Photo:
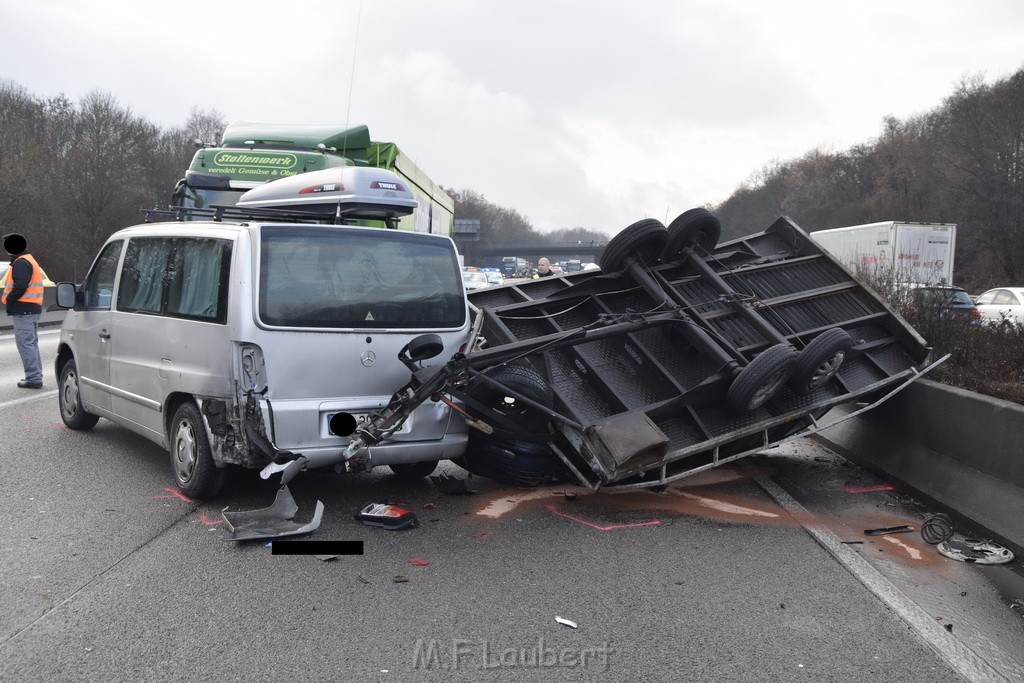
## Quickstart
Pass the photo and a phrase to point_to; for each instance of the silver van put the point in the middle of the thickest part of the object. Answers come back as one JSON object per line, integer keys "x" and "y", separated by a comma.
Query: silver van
{"x": 245, "y": 342}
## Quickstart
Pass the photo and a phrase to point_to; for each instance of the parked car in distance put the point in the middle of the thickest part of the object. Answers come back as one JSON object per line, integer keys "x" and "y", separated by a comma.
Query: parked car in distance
{"x": 494, "y": 276}
{"x": 475, "y": 280}
{"x": 943, "y": 300}
{"x": 1001, "y": 306}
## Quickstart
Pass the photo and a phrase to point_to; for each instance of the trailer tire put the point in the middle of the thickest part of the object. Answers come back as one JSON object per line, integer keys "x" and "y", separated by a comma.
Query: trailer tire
{"x": 523, "y": 459}
{"x": 820, "y": 360}
{"x": 759, "y": 381}
{"x": 696, "y": 228}
{"x": 526, "y": 382}
{"x": 414, "y": 470}
{"x": 643, "y": 240}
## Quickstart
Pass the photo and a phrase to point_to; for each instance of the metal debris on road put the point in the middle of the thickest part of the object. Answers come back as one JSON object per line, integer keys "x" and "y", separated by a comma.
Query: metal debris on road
{"x": 974, "y": 551}
{"x": 326, "y": 558}
{"x": 566, "y": 622}
{"x": 937, "y": 528}
{"x": 400, "y": 579}
{"x": 881, "y": 531}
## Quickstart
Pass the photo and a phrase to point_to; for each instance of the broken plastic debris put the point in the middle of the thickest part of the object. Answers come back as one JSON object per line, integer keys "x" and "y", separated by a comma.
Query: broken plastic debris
{"x": 937, "y": 528}
{"x": 974, "y": 551}
{"x": 881, "y": 531}
{"x": 450, "y": 484}
{"x": 418, "y": 561}
{"x": 429, "y": 506}
{"x": 362, "y": 578}
{"x": 326, "y": 558}
{"x": 400, "y": 579}
{"x": 562, "y": 620}
{"x": 270, "y": 522}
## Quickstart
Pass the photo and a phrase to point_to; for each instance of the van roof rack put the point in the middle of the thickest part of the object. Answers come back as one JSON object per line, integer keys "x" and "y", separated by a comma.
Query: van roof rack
{"x": 235, "y": 214}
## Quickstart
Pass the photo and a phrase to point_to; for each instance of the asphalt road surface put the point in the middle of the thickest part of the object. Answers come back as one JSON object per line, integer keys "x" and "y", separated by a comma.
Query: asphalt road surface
{"x": 754, "y": 571}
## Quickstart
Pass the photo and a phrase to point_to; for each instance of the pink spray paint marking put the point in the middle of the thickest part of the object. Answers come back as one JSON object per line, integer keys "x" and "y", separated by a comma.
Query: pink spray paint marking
{"x": 209, "y": 522}
{"x": 554, "y": 509}
{"x": 850, "y": 488}
{"x": 174, "y": 494}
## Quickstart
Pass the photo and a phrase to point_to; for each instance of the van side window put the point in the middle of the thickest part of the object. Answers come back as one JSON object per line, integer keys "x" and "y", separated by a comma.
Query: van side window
{"x": 98, "y": 288}
{"x": 197, "y": 286}
{"x": 178, "y": 277}
{"x": 143, "y": 275}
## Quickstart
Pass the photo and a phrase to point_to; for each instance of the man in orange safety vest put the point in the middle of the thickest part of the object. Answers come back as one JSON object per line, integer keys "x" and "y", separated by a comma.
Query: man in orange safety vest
{"x": 23, "y": 299}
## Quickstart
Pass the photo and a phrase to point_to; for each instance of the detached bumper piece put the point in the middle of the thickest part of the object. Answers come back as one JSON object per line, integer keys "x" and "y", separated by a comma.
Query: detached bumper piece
{"x": 272, "y": 522}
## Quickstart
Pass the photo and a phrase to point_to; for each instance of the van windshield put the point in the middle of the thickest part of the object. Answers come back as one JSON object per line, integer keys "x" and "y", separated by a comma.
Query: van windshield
{"x": 326, "y": 276}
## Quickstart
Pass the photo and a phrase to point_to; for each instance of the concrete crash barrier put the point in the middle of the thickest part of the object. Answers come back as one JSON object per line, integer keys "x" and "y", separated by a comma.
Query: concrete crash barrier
{"x": 958, "y": 447}
{"x": 51, "y": 314}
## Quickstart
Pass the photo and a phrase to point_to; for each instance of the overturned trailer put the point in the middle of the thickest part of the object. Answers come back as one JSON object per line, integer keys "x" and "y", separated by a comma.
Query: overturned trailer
{"x": 678, "y": 356}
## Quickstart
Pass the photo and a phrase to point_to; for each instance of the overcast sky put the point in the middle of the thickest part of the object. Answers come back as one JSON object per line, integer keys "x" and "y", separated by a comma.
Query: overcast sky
{"x": 572, "y": 112}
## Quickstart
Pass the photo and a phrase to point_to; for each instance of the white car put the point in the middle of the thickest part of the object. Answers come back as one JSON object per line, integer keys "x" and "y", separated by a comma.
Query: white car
{"x": 1003, "y": 305}
{"x": 475, "y": 280}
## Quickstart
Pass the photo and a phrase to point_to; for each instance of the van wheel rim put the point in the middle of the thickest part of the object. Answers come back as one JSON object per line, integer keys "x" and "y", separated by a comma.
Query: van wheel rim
{"x": 184, "y": 451}
{"x": 69, "y": 395}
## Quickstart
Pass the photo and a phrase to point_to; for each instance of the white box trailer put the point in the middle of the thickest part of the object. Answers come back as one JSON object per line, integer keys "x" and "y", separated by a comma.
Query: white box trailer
{"x": 902, "y": 250}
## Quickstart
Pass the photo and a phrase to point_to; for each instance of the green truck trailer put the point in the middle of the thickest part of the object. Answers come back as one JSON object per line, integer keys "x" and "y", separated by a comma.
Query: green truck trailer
{"x": 252, "y": 153}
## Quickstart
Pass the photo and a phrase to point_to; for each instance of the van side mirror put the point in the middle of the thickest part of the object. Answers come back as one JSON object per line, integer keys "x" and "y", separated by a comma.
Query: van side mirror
{"x": 67, "y": 294}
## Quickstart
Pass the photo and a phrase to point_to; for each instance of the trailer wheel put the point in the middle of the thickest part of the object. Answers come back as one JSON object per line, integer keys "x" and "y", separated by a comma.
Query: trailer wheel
{"x": 643, "y": 240}
{"x": 523, "y": 459}
{"x": 759, "y": 381}
{"x": 820, "y": 360}
{"x": 526, "y": 382}
{"x": 696, "y": 228}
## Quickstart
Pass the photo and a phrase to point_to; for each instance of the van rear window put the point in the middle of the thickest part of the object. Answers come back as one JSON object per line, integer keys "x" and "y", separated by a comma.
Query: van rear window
{"x": 326, "y": 276}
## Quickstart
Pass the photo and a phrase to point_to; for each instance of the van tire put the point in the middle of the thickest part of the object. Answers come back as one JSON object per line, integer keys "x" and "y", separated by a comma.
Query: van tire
{"x": 526, "y": 382}
{"x": 820, "y": 360}
{"x": 643, "y": 240}
{"x": 70, "y": 400}
{"x": 414, "y": 470}
{"x": 759, "y": 381}
{"x": 192, "y": 464}
{"x": 697, "y": 228}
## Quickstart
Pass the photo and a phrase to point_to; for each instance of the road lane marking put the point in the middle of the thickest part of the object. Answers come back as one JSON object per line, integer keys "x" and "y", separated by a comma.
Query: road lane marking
{"x": 29, "y": 399}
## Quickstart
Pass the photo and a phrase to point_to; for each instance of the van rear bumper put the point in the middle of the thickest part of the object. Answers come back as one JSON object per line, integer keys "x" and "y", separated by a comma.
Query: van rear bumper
{"x": 385, "y": 453}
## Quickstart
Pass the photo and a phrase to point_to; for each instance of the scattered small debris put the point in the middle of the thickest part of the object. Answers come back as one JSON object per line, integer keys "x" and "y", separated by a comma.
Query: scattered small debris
{"x": 974, "y": 551}
{"x": 852, "y": 542}
{"x": 881, "y": 531}
{"x": 782, "y": 605}
{"x": 326, "y": 558}
{"x": 822, "y": 458}
{"x": 963, "y": 594}
{"x": 948, "y": 627}
{"x": 452, "y": 485}
{"x": 400, "y": 579}
{"x": 429, "y": 506}
{"x": 937, "y": 528}
{"x": 418, "y": 561}
{"x": 570, "y": 496}
{"x": 362, "y": 578}
{"x": 566, "y": 622}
